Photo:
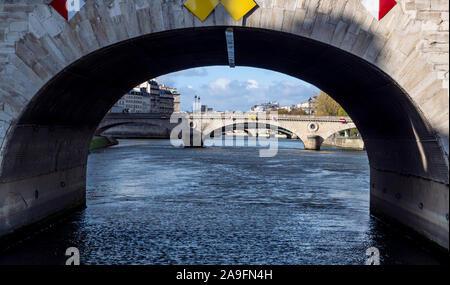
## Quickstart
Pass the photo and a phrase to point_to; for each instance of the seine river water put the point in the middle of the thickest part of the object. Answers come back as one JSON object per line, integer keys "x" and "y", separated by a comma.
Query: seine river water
{"x": 151, "y": 203}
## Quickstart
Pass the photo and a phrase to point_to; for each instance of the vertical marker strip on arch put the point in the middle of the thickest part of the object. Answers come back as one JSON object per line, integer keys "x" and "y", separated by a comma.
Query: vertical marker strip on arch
{"x": 229, "y": 34}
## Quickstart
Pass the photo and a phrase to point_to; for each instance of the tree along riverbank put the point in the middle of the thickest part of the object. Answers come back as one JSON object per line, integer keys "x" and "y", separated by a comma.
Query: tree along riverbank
{"x": 102, "y": 142}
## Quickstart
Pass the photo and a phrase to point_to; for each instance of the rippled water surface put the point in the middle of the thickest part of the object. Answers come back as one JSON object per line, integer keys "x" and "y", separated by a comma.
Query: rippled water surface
{"x": 151, "y": 203}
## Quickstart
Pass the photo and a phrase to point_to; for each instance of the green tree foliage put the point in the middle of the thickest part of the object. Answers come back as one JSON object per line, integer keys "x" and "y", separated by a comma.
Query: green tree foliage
{"x": 326, "y": 106}
{"x": 295, "y": 111}
{"x": 342, "y": 112}
{"x": 352, "y": 132}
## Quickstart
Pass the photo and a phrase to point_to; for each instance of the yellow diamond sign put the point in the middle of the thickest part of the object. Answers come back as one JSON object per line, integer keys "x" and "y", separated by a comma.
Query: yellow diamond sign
{"x": 238, "y": 8}
{"x": 201, "y": 8}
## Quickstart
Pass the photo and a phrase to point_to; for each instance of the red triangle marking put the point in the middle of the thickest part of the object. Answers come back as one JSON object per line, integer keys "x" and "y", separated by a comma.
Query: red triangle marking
{"x": 60, "y": 7}
{"x": 385, "y": 7}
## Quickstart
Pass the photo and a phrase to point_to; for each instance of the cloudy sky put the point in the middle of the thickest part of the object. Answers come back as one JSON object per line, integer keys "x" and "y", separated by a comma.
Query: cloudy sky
{"x": 224, "y": 88}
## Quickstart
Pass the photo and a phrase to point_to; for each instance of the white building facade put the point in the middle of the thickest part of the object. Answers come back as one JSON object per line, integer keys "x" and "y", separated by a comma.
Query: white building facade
{"x": 149, "y": 97}
{"x": 309, "y": 106}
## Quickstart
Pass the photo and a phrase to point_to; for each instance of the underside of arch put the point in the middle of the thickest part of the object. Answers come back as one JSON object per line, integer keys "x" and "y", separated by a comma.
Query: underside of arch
{"x": 245, "y": 127}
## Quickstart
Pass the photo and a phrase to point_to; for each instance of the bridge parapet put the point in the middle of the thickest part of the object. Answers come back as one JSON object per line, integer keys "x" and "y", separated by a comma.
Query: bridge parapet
{"x": 274, "y": 116}
{"x": 228, "y": 116}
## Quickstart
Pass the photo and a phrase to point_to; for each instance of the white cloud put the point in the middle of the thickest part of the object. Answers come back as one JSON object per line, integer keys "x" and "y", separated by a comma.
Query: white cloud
{"x": 252, "y": 84}
{"x": 225, "y": 94}
{"x": 193, "y": 72}
{"x": 220, "y": 83}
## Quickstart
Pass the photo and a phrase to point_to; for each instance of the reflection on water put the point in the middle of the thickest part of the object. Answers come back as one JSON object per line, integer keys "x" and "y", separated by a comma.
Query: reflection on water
{"x": 150, "y": 203}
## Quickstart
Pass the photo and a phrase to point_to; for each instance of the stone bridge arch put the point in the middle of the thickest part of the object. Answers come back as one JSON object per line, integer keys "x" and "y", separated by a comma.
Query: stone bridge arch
{"x": 213, "y": 129}
{"x": 153, "y": 125}
{"x": 59, "y": 78}
{"x": 104, "y": 128}
{"x": 139, "y": 129}
{"x": 311, "y": 132}
{"x": 336, "y": 129}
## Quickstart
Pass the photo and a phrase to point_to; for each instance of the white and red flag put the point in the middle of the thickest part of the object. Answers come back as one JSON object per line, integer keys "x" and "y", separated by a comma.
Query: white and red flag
{"x": 379, "y": 8}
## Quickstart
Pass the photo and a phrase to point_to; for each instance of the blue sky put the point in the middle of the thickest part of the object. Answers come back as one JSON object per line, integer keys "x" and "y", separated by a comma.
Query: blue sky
{"x": 224, "y": 88}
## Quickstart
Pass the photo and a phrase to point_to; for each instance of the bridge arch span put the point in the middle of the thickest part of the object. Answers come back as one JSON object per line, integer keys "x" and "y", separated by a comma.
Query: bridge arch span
{"x": 152, "y": 130}
{"x": 103, "y": 129}
{"x": 210, "y": 131}
{"x": 341, "y": 128}
{"x": 60, "y": 78}
{"x": 312, "y": 131}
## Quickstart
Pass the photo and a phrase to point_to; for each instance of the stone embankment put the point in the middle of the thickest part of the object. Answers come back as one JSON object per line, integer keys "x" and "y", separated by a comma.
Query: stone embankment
{"x": 102, "y": 142}
{"x": 350, "y": 143}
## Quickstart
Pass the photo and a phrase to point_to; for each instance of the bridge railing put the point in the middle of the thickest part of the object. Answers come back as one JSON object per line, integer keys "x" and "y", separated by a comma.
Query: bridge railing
{"x": 230, "y": 116}
{"x": 255, "y": 116}
{"x": 138, "y": 116}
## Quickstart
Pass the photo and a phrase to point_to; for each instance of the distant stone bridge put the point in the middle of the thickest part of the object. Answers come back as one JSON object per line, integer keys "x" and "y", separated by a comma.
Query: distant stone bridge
{"x": 312, "y": 130}
{"x": 135, "y": 125}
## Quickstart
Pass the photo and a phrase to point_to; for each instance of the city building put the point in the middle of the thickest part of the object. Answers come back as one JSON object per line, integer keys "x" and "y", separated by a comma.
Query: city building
{"x": 289, "y": 108}
{"x": 309, "y": 106}
{"x": 116, "y": 109}
{"x": 197, "y": 105}
{"x": 270, "y": 106}
{"x": 205, "y": 109}
{"x": 176, "y": 101}
{"x": 154, "y": 95}
{"x": 149, "y": 97}
{"x": 135, "y": 101}
{"x": 166, "y": 100}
